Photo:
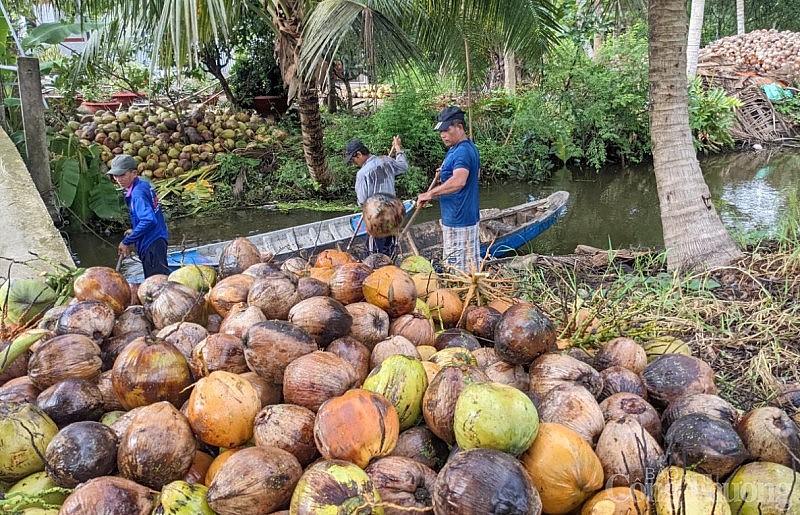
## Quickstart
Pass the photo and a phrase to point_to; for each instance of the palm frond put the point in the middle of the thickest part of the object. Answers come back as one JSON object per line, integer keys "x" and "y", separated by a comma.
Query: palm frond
{"x": 527, "y": 27}
{"x": 332, "y": 20}
{"x": 172, "y": 30}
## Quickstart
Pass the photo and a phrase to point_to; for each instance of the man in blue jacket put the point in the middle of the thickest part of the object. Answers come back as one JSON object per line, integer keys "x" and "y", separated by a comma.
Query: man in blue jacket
{"x": 149, "y": 230}
{"x": 457, "y": 193}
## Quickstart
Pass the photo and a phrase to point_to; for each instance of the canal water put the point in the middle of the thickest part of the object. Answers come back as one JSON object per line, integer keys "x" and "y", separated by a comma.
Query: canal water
{"x": 616, "y": 207}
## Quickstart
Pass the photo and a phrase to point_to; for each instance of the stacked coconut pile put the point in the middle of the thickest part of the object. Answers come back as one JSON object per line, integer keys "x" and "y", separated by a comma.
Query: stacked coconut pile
{"x": 741, "y": 65}
{"x": 765, "y": 52}
{"x": 343, "y": 386}
{"x": 166, "y": 145}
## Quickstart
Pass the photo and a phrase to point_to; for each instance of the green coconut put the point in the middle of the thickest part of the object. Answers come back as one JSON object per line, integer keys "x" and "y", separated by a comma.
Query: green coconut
{"x": 416, "y": 265}
{"x": 403, "y": 381}
{"x": 764, "y": 488}
{"x": 422, "y": 308}
{"x": 454, "y": 357}
{"x": 183, "y": 498}
{"x": 335, "y": 487}
{"x": 678, "y": 491}
{"x": 25, "y": 432}
{"x": 661, "y": 345}
{"x": 495, "y": 416}
{"x": 197, "y": 277}
{"x": 24, "y": 300}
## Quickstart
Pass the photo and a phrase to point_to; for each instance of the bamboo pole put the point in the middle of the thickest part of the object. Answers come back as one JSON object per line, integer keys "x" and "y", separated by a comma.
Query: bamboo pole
{"x": 469, "y": 87}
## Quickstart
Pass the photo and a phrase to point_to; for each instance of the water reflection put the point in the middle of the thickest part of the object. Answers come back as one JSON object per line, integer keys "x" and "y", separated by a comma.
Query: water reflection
{"x": 753, "y": 187}
{"x": 617, "y": 207}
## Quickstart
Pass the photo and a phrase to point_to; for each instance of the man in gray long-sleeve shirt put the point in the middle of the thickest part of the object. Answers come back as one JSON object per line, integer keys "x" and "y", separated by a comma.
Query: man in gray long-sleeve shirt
{"x": 376, "y": 176}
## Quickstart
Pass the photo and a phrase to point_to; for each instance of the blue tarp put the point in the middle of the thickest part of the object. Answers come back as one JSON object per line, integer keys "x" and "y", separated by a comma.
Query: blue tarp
{"x": 775, "y": 92}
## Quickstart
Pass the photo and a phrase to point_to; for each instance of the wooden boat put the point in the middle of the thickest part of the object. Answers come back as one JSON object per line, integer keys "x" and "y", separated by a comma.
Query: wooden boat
{"x": 502, "y": 231}
{"x": 284, "y": 243}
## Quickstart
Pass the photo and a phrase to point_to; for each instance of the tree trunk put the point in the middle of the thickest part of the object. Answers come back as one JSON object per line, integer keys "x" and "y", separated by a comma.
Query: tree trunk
{"x": 210, "y": 58}
{"x": 33, "y": 124}
{"x": 694, "y": 236}
{"x": 311, "y": 123}
{"x": 740, "y": 17}
{"x": 599, "y": 36}
{"x": 695, "y": 31}
{"x": 510, "y": 72}
{"x": 332, "y": 99}
{"x": 289, "y": 22}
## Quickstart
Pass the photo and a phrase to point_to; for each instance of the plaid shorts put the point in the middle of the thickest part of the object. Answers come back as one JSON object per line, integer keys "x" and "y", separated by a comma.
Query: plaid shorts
{"x": 460, "y": 248}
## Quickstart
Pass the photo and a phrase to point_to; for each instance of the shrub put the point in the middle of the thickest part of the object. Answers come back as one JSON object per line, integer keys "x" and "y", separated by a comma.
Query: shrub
{"x": 407, "y": 113}
{"x": 255, "y": 71}
{"x": 711, "y": 117}
{"x": 599, "y": 106}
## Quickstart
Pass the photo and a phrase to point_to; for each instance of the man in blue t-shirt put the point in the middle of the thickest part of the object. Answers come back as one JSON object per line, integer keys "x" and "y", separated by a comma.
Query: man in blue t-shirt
{"x": 457, "y": 193}
{"x": 149, "y": 232}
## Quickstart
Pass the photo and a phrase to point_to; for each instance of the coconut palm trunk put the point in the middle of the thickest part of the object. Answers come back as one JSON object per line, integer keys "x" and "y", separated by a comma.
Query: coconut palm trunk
{"x": 740, "y": 17}
{"x": 311, "y": 124}
{"x": 289, "y": 22}
{"x": 695, "y": 31}
{"x": 694, "y": 236}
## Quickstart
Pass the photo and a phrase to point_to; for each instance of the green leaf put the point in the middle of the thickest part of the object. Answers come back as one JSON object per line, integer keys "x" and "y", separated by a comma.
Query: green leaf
{"x": 61, "y": 145}
{"x": 56, "y": 32}
{"x": 80, "y": 205}
{"x": 705, "y": 284}
{"x": 18, "y": 138}
{"x": 106, "y": 202}
{"x": 11, "y": 102}
{"x": 68, "y": 181}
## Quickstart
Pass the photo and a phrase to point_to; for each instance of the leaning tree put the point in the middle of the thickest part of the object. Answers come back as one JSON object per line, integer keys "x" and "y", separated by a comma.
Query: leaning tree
{"x": 694, "y": 236}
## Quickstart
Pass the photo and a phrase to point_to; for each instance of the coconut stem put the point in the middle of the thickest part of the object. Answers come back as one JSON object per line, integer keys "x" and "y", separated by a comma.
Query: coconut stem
{"x": 16, "y": 502}
{"x": 385, "y": 504}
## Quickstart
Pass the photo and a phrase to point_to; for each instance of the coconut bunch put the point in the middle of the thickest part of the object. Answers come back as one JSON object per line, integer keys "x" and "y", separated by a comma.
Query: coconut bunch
{"x": 166, "y": 146}
{"x": 333, "y": 383}
{"x": 761, "y": 50}
{"x": 372, "y": 91}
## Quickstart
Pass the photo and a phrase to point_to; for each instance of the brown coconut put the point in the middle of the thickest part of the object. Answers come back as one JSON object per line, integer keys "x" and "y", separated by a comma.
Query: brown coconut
{"x": 312, "y": 379}
{"x": 237, "y": 256}
{"x": 523, "y": 334}
{"x": 270, "y": 346}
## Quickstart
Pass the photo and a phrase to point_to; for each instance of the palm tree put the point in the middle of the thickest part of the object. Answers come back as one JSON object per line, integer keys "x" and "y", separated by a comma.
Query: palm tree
{"x": 740, "y": 17}
{"x": 695, "y": 31}
{"x": 308, "y": 33}
{"x": 693, "y": 232}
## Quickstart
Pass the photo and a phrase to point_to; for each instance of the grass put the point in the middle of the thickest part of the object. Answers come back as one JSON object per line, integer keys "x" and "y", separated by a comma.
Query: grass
{"x": 744, "y": 319}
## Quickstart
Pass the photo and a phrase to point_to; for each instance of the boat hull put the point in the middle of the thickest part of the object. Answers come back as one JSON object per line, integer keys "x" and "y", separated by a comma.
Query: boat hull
{"x": 502, "y": 232}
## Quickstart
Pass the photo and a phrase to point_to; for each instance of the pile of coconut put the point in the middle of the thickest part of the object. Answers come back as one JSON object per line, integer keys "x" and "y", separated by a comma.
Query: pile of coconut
{"x": 762, "y": 51}
{"x": 345, "y": 386}
{"x": 167, "y": 146}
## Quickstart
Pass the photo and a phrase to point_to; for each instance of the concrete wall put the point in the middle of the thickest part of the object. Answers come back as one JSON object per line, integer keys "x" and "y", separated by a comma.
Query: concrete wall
{"x": 25, "y": 225}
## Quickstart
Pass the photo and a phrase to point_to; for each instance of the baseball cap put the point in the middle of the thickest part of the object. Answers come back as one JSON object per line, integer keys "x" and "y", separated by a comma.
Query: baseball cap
{"x": 121, "y": 164}
{"x": 352, "y": 148}
{"x": 448, "y": 116}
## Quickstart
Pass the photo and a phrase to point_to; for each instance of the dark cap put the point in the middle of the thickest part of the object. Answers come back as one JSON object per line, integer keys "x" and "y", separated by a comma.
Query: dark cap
{"x": 448, "y": 117}
{"x": 352, "y": 148}
{"x": 122, "y": 164}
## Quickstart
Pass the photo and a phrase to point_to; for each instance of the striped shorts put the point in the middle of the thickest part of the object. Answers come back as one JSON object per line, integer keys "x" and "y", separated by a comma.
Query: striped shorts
{"x": 460, "y": 248}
